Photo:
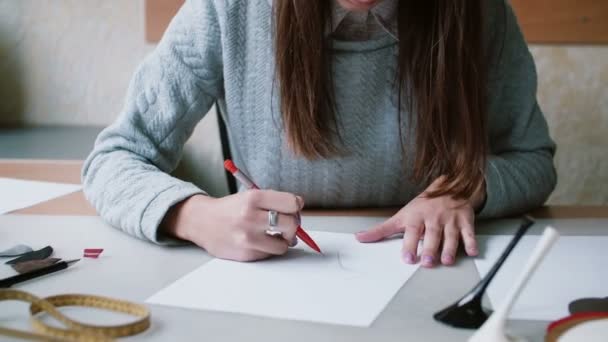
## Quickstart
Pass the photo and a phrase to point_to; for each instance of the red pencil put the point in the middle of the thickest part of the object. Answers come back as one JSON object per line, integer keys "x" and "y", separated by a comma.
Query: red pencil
{"x": 242, "y": 177}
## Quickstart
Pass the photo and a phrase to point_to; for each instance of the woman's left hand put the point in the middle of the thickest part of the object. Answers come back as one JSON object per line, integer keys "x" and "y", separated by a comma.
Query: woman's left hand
{"x": 441, "y": 221}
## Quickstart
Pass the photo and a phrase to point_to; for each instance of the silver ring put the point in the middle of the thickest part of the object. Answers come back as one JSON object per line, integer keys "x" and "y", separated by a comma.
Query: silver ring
{"x": 273, "y": 221}
{"x": 273, "y": 218}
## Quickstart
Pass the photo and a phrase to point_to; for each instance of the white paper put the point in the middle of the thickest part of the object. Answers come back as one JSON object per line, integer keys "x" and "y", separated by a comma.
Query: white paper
{"x": 349, "y": 285}
{"x": 17, "y": 194}
{"x": 574, "y": 268}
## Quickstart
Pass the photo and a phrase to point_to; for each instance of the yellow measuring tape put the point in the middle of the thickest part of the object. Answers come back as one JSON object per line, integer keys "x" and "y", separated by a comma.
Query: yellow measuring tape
{"x": 74, "y": 330}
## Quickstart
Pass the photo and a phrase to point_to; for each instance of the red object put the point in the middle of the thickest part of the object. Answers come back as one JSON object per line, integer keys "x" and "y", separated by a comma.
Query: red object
{"x": 92, "y": 252}
{"x": 241, "y": 177}
{"x": 229, "y": 165}
{"x": 307, "y": 239}
{"x": 576, "y": 316}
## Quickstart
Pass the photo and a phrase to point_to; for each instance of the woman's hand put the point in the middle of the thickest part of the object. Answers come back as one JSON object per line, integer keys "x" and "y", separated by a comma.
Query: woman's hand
{"x": 440, "y": 221}
{"x": 233, "y": 227}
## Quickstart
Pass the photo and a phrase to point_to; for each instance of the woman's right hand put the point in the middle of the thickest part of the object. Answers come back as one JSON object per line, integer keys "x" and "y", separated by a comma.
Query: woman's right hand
{"x": 234, "y": 227}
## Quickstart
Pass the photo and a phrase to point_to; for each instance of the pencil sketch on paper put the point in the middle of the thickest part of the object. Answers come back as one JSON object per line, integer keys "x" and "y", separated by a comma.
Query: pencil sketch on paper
{"x": 344, "y": 268}
{"x": 335, "y": 279}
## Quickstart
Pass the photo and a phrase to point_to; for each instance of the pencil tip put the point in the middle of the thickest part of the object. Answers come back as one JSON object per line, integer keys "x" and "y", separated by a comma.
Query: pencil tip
{"x": 72, "y": 262}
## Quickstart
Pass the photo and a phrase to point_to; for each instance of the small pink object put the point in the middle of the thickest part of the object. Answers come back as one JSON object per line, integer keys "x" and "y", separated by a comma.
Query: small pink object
{"x": 92, "y": 252}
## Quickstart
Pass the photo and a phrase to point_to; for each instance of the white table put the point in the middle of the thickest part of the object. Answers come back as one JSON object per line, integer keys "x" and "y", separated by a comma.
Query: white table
{"x": 134, "y": 270}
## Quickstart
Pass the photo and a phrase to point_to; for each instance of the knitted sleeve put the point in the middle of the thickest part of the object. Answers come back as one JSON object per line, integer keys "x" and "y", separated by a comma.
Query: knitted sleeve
{"x": 126, "y": 177}
{"x": 520, "y": 174}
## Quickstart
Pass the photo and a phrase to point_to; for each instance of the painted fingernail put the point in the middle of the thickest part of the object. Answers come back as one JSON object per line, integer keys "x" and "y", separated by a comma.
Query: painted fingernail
{"x": 427, "y": 260}
{"x": 408, "y": 257}
{"x": 294, "y": 242}
{"x": 448, "y": 259}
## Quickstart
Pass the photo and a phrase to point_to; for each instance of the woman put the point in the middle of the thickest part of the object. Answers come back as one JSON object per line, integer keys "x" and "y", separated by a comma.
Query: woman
{"x": 426, "y": 105}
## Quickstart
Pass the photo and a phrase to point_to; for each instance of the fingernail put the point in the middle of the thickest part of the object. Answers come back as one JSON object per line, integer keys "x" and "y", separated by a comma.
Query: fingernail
{"x": 473, "y": 250}
{"x": 361, "y": 232}
{"x": 300, "y": 202}
{"x": 409, "y": 258}
{"x": 448, "y": 259}
{"x": 294, "y": 242}
{"x": 427, "y": 260}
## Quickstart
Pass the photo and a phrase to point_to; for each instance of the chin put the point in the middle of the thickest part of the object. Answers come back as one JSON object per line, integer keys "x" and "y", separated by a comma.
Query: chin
{"x": 358, "y": 5}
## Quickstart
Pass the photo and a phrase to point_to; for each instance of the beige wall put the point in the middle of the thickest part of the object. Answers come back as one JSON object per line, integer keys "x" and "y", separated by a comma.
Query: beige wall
{"x": 573, "y": 93}
{"x": 69, "y": 62}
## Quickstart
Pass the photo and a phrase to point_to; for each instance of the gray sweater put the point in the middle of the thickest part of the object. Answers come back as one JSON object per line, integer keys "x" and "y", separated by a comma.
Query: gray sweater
{"x": 221, "y": 51}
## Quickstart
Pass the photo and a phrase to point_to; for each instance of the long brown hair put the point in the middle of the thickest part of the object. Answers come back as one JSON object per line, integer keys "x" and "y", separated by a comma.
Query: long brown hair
{"x": 441, "y": 80}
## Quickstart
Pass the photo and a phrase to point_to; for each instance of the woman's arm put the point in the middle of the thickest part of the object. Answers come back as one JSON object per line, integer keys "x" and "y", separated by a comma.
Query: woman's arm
{"x": 520, "y": 173}
{"x": 126, "y": 176}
